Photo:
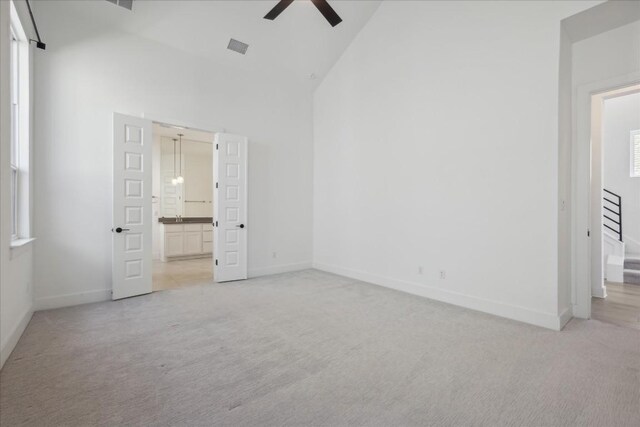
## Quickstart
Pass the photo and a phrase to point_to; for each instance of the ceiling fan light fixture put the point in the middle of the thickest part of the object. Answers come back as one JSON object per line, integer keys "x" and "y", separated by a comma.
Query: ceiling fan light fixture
{"x": 180, "y": 178}
{"x": 327, "y": 11}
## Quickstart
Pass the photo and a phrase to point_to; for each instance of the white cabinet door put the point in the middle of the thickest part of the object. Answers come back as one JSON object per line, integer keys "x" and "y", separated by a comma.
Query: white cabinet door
{"x": 173, "y": 244}
{"x": 132, "y": 252}
{"x": 192, "y": 242}
{"x": 230, "y": 207}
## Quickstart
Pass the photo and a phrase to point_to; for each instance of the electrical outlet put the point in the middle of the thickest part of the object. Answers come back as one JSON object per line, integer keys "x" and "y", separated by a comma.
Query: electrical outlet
{"x": 419, "y": 269}
{"x": 443, "y": 274}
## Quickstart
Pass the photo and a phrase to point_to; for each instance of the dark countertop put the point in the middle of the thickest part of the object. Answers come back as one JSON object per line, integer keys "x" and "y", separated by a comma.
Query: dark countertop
{"x": 189, "y": 220}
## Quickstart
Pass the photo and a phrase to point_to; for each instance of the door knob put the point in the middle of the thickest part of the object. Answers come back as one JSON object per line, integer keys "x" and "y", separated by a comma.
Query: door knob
{"x": 120, "y": 229}
{"x": 241, "y": 225}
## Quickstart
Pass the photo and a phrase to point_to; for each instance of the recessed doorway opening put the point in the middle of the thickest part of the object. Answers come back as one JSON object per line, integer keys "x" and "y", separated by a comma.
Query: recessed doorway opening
{"x": 616, "y": 154}
{"x": 196, "y": 209}
{"x": 182, "y": 206}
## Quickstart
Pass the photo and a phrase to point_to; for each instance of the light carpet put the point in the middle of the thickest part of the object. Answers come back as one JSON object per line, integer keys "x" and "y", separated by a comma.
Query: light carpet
{"x": 311, "y": 348}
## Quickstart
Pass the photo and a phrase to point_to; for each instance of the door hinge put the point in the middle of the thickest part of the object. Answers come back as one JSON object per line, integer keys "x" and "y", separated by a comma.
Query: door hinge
{"x": 216, "y": 262}
{"x": 588, "y": 233}
{"x": 216, "y": 185}
{"x": 216, "y": 223}
{"x": 216, "y": 146}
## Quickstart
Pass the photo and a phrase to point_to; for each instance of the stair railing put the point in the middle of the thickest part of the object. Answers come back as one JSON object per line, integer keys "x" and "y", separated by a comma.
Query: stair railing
{"x": 612, "y": 209}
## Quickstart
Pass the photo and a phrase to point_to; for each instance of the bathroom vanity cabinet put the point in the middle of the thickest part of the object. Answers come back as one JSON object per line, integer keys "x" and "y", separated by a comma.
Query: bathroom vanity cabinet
{"x": 181, "y": 240}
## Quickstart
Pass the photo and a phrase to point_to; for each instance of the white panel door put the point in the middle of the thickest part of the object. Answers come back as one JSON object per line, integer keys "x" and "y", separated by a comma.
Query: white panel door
{"x": 230, "y": 208}
{"x": 132, "y": 251}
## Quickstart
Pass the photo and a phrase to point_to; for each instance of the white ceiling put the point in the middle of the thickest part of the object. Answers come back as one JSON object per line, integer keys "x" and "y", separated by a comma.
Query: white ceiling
{"x": 300, "y": 42}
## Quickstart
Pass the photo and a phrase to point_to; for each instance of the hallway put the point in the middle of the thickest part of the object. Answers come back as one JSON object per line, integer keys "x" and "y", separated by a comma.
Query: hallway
{"x": 621, "y": 307}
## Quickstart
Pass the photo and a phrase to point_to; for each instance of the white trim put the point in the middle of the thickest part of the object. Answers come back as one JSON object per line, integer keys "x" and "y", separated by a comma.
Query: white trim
{"x": 277, "y": 269}
{"x": 521, "y": 314}
{"x": 565, "y": 316}
{"x": 599, "y": 292}
{"x": 17, "y": 243}
{"x": 10, "y": 343}
{"x": 68, "y": 300}
{"x": 583, "y": 201}
{"x": 23, "y": 198}
{"x": 20, "y": 246}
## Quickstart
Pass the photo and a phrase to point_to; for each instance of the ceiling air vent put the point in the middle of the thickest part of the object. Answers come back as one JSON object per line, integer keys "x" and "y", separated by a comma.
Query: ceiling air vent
{"x": 238, "y": 46}
{"x": 127, "y": 4}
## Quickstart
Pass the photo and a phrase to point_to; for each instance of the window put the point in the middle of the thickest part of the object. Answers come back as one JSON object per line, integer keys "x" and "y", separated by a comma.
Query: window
{"x": 15, "y": 130}
{"x": 635, "y": 153}
{"x": 20, "y": 139}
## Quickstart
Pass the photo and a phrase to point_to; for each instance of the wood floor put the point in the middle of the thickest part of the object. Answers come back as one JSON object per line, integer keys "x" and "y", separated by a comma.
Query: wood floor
{"x": 178, "y": 274}
{"x": 620, "y": 307}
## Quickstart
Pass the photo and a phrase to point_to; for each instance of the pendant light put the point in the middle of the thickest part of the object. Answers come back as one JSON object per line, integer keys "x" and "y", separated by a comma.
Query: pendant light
{"x": 180, "y": 178}
{"x": 174, "y": 180}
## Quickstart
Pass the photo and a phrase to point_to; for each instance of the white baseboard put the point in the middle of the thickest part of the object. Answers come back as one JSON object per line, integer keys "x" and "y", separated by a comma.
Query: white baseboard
{"x": 564, "y": 317}
{"x": 522, "y": 314}
{"x": 14, "y": 336}
{"x": 68, "y": 300}
{"x": 277, "y": 269}
{"x": 599, "y": 292}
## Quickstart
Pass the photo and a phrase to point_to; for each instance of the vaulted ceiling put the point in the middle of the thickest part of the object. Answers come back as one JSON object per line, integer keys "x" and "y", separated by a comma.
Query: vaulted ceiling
{"x": 296, "y": 45}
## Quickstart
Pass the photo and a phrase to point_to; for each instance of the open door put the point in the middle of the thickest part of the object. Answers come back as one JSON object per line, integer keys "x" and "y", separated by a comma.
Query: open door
{"x": 230, "y": 208}
{"x": 132, "y": 252}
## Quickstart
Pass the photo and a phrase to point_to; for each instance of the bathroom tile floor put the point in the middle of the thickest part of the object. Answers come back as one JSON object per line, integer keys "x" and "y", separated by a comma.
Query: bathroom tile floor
{"x": 181, "y": 273}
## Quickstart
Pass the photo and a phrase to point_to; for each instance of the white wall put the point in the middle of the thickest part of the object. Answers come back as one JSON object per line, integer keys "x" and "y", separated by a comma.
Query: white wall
{"x": 436, "y": 146}
{"x": 16, "y": 267}
{"x": 612, "y": 53}
{"x": 621, "y": 116}
{"x": 88, "y": 73}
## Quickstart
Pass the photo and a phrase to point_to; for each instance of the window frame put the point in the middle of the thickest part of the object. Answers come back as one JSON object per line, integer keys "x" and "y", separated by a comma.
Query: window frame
{"x": 635, "y": 134}
{"x": 14, "y": 77}
{"x": 20, "y": 128}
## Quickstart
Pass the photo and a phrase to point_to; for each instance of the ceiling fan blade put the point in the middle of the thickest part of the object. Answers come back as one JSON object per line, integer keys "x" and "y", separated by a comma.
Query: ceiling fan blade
{"x": 328, "y": 12}
{"x": 278, "y": 9}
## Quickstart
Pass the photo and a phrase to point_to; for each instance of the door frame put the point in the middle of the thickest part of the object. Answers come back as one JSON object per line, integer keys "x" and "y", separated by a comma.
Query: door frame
{"x": 148, "y": 215}
{"x": 586, "y": 191}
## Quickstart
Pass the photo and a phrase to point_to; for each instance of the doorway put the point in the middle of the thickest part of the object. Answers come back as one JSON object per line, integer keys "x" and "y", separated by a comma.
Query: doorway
{"x": 616, "y": 116}
{"x": 602, "y": 217}
{"x": 182, "y": 206}
{"x": 191, "y": 225}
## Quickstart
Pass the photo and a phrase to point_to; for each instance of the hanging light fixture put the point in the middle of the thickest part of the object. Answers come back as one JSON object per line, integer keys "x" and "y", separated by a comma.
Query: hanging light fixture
{"x": 180, "y": 178}
{"x": 174, "y": 180}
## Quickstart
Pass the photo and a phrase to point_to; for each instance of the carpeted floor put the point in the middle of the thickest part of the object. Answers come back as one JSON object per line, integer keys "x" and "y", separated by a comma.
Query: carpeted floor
{"x": 310, "y": 348}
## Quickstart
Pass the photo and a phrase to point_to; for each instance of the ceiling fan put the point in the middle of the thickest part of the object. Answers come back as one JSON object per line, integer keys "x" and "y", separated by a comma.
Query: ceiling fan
{"x": 322, "y": 5}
